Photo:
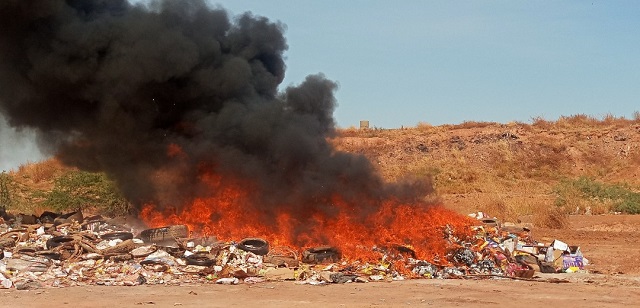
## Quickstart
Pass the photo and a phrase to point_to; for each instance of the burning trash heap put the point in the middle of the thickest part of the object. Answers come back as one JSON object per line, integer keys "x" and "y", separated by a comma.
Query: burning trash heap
{"x": 74, "y": 251}
{"x": 180, "y": 105}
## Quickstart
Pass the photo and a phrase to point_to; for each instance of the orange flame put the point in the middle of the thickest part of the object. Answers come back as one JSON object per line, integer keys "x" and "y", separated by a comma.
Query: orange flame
{"x": 174, "y": 150}
{"x": 228, "y": 214}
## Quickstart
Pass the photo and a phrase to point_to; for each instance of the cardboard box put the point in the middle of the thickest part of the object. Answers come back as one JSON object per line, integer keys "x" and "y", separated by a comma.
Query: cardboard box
{"x": 560, "y": 245}
{"x": 572, "y": 261}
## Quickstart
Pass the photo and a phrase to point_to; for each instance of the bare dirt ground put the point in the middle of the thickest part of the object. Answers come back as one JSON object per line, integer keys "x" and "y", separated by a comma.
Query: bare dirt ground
{"x": 609, "y": 242}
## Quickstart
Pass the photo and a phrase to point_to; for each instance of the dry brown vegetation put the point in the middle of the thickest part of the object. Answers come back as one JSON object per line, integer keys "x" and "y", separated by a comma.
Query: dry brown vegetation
{"x": 508, "y": 170}
{"x": 29, "y": 179}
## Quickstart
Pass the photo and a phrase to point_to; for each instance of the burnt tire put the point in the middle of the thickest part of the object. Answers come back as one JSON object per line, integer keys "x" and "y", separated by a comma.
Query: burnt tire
{"x": 322, "y": 254}
{"x": 59, "y": 240}
{"x": 202, "y": 259}
{"x": 68, "y": 218}
{"x": 176, "y": 252}
{"x": 255, "y": 245}
{"x": 117, "y": 235}
{"x": 169, "y": 233}
{"x": 47, "y": 217}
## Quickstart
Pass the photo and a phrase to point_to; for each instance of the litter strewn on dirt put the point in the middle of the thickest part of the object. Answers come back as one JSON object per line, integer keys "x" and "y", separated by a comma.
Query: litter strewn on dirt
{"x": 70, "y": 250}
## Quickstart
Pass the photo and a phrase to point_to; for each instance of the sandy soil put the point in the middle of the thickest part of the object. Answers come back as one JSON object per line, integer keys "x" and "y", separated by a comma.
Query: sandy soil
{"x": 609, "y": 242}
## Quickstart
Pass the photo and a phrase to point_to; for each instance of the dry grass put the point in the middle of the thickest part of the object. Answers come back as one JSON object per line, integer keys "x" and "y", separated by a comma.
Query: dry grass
{"x": 578, "y": 120}
{"x": 634, "y": 157}
{"x": 424, "y": 126}
{"x": 498, "y": 206}
{"x": 542, "y": 123}
{"x": 584, "y": 121}
{"x": 474, "y": 124}
{"x": 544, "y": 160}
{"x": 610, "y": 119}
{"x": 506, "y": 206}
{"x": 576, "y": 204}
{"x": 44, "y": 171}
{"x": 31, "y": 178}
{"x": 475, "y": 166}
{"x": 550, "y": 216}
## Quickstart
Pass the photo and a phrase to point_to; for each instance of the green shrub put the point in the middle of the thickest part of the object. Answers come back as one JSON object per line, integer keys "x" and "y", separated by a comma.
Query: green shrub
{"x": 5, "y": 194}
{"x": 629, "y": 205}
{"x": 81, "y": 190}
{"x": 583, "y": 192}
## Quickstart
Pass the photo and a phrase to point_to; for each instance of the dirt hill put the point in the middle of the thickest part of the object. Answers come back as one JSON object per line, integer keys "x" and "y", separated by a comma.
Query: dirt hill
{"x": 509, "y": 170}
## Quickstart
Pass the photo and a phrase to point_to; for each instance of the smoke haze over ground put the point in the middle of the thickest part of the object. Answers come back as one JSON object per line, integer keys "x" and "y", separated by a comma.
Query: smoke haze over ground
{"x": 17, "y": 146}
{"x": 153, "y": 94}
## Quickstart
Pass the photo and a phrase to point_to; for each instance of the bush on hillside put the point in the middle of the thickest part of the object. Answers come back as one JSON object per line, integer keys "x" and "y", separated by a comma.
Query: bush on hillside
{"x": 582, "y": 192}
{"x": 81, "y": 190}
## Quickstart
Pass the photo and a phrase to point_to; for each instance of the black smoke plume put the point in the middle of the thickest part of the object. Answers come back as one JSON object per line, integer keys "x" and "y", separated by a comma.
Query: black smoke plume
{"x": 152, "y": 93}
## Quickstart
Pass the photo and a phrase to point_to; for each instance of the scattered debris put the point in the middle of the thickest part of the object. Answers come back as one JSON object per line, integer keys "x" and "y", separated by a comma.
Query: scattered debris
{"x": 69, "y": 250}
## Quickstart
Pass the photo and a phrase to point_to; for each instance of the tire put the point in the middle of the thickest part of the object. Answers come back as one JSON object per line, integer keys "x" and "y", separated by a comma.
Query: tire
{"x": 92, "y": 223}
{"x": 47, "y": 217}
{"x": 176, "y": 252}
{"x": 169, "y": 233}
{"x": 117, "y": 235}
{"x": 202, "y": 259}
{"x": 58, "y": 240}
{"x": 256, "y": 245}
{"x": 322, "y": 254}
{"x": 28, "y": 219}
{"x": 69, "y": 217}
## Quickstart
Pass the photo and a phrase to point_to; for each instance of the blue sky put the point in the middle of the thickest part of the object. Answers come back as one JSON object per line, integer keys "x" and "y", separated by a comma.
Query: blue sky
{"x": 399, "y": 63}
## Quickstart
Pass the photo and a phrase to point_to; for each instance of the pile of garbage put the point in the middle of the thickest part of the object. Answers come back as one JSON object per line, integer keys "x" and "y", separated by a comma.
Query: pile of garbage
{"x": 510, "y": 250}
{"x": 70, "y": 250}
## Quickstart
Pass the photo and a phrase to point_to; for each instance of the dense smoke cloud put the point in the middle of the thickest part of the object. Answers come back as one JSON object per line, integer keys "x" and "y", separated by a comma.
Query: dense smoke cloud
{"x": 152, "y": 93}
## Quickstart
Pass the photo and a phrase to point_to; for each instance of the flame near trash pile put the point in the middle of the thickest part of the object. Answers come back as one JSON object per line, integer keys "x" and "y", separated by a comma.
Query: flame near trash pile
{"x": 180, "y": 105}
{"x": 229, "y": 214}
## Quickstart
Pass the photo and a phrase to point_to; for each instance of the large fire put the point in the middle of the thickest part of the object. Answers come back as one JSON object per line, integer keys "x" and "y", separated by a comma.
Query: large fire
{"x": 228, "y": 214}
{"x": 207, "y": 92}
